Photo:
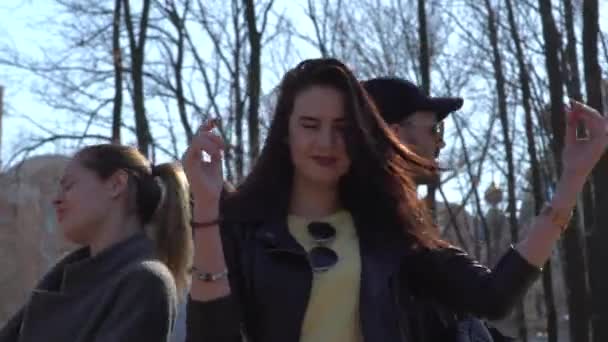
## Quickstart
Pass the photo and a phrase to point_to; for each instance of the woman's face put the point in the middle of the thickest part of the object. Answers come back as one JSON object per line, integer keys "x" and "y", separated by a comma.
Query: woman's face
{"x": 316, "y": 140}
{"x": 82, "y": 204}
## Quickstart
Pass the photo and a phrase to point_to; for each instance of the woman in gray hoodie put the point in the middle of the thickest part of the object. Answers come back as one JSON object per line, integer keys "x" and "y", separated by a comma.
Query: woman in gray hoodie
{"x": 133, "y": 220}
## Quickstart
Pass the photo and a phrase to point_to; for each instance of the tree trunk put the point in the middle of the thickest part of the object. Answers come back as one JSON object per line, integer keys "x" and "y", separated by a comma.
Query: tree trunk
{"x": 117, "y": 62}
{"x": 1, "y": 120}
{"x": 253, "y": 80}
{"x": 597, "y": 234}
{"x": 320, "y": 30}
{"x": 476, "y": 197}
{"x": 239, "y": 104}
{"x": 603, "y": 41}
{"x": 425, "y": 73}
{"x": 424, "y": 57}
{"x": 504, "y": 120}
{"x": 574, "y": 246}
{"x": 178, "y": 66}
{"x": 573, "y": 255}
{"x": 537, "y": 190}
{"x": 142, "y": 127}
{"x": 573, "y": 83}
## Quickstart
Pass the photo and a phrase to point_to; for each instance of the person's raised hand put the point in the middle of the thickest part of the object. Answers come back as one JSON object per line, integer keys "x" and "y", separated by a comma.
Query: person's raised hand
{"x": 205, "y": 177}
{"x": 580, "y": 155}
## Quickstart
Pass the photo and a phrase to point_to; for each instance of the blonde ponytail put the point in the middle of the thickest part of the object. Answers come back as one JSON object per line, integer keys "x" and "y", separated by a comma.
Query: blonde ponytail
{"x": 170, "y": 226}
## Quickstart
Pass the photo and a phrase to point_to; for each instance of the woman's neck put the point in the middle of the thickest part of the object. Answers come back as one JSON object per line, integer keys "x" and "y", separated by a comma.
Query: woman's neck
{"x": 313, "y": 201}
{"x": 113, "y": 231}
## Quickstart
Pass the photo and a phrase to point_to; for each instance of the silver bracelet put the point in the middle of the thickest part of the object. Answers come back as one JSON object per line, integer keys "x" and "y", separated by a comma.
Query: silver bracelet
{"x": 209, "y": 277}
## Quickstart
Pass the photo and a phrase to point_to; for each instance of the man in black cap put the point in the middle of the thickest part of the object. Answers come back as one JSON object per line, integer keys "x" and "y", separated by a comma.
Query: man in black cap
{"x": 416, "y": 118}
{"x": 418, "y": 121}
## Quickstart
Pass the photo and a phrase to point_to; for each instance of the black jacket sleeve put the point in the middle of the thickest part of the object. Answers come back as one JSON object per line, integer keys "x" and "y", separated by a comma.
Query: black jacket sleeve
{"x": 220, "y": 320}
{"x": 454, "y": 279}
{"x": 10, "y": 331}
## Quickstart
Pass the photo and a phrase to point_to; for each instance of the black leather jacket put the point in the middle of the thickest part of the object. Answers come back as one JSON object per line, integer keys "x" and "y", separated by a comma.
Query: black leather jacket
{"x": 270, "y": 281}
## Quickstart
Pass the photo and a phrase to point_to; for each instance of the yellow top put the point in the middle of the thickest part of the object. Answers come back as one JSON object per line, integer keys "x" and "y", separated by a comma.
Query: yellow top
{"x": 332, "y": 314}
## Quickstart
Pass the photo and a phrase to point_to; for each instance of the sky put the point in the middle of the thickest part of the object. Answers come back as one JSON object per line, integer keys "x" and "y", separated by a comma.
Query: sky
{"x": 23, "y": 28}
{"x": 17, "y": 31}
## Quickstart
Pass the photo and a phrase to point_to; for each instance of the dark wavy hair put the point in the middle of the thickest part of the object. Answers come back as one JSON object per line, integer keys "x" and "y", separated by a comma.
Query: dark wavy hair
{"x": 378, "y": 189}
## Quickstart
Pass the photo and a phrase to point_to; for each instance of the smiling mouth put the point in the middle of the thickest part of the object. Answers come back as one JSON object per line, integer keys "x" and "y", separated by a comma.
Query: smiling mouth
{"x": 60, "y": 215}
{"x": 325, "y": 161}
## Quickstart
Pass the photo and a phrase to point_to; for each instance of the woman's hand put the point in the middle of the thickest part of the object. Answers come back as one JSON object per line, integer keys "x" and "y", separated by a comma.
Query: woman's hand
{"x": 580, "y": 155}
{"x": 205, "y": 177}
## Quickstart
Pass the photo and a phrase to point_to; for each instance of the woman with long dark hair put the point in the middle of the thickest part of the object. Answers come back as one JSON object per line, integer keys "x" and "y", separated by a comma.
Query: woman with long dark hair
{"x": 326, "y": 239}
{"x": 133, "y": 220}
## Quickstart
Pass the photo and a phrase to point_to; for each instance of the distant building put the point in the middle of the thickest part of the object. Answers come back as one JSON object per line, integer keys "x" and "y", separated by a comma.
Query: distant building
{"x": 29, "y": 241}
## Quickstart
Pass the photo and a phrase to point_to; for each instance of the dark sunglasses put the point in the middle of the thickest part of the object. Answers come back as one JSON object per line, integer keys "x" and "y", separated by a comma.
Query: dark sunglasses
{"x": 322, "y": 258}
{"x": 437, "y": 129}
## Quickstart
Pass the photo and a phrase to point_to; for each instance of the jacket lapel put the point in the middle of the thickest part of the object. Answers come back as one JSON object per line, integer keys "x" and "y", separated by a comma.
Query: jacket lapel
{"x": 84, "y": 274}
{"x": 381, "y": 257}
{"x": 281, "y": 279}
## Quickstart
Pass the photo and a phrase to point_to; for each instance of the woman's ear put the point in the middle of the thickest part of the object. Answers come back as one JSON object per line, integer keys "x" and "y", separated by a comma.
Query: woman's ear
{"x": 118, "y": 183}
{"x": 395, "y": 128}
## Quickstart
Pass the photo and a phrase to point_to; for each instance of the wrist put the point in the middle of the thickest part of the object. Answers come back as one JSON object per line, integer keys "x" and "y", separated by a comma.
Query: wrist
{"x": 569, "y": 186}
{"x": 205, "y": 212}
{"x": 557, "y": 216}
{"x": 574, "y": 175}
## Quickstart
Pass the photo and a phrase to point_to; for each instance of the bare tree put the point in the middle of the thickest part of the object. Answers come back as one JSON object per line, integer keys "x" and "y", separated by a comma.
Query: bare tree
{"x": 597, "y": 236}
{"x": 254, "y": 72}
{"x": 573, "y": 255}
{"x": 573, "y": 86}
{"x": 117, "y": 59}
{"x": 573, "y": 83}
{"x": 424, "y": 61}
{"x": 326, "y": 26}
{"x": 137, "y": 55}
{"x": 497, "y": 63}
{"x": 532, "y": 154}
{"x": 169, "y": 42}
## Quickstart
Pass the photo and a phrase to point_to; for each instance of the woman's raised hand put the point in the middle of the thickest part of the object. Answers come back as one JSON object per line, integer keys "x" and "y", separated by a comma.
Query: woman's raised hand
{"x": 205, "y": 177}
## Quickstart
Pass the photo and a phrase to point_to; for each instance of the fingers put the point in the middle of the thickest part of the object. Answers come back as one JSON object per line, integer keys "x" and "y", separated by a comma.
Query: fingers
{"x": 583, "y": 112}
{"x": 206, "y": 129}
{"x": 571, "y": 125}
{"x": 205, "y": 141}
{"x": 595, "y": 124}
{"x": 207, "y": 125}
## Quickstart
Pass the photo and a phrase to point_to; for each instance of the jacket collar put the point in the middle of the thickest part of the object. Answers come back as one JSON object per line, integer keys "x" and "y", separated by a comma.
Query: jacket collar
{"x": 386, "y": 249}
{"x": 275, "y": 235}
{"x": 78, "y": 270}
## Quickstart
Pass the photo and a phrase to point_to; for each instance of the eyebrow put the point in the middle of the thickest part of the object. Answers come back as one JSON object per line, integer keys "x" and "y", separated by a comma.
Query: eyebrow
{"x": 64, "y": 180}
{"x": 308, "y": 118}
{"x": 312, "y": 118}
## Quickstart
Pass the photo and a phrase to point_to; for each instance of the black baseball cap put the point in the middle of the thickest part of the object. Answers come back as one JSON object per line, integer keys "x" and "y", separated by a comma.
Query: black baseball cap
{"x": 396, "y": 99}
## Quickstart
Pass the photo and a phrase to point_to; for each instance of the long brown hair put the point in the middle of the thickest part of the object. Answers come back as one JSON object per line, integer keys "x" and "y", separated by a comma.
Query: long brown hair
{"x": 378, "y": 188}
{"x": 160, "y": 199}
